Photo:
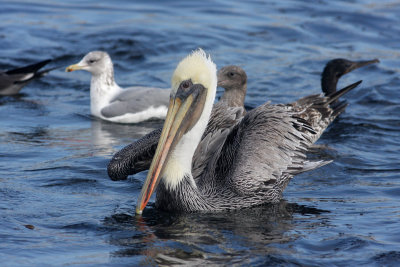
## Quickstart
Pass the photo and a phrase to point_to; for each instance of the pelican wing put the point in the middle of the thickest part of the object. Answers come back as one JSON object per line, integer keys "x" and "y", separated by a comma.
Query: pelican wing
{"x": 264, "y": 151}
{"x": 319, "y": 111}
{"x": 222, "y": 120}
{"x": 136, "y": 99}
{"x": 223, "y": 132}
{"x": 268, "y": 146}
{"x": 135, "y": 157}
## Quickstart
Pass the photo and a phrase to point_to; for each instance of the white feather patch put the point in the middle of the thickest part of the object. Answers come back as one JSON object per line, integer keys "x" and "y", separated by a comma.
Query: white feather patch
{"x": 200, "y": 69}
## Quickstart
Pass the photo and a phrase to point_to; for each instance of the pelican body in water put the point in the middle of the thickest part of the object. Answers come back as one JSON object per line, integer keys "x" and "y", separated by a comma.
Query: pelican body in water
{"x": 249, "y": 164}
{"x": 110, "y": 102}
{"x": 137, "y": 156}
{"x": 12, "y": 81}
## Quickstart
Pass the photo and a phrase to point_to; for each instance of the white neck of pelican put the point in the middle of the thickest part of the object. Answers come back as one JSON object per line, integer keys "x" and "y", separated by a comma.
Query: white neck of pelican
{"x": 180, "y": 160}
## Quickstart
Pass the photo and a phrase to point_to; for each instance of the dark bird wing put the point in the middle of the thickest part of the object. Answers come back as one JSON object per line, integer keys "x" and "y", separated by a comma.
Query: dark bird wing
{"x": 12, "y": 81}
{"x": 29, "y": 69}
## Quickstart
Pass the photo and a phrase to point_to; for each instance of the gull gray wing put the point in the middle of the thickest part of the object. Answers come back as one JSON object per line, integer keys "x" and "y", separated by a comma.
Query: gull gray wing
{"x": 136, "y": 99}
{"x": 264, "y": 151}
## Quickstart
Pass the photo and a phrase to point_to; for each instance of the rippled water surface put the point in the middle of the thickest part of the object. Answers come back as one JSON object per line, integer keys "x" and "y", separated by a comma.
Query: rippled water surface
{"x": 57, "y": 204}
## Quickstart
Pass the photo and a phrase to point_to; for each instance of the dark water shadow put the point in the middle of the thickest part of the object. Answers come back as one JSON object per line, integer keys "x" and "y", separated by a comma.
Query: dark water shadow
{"x": 163, "y": 238}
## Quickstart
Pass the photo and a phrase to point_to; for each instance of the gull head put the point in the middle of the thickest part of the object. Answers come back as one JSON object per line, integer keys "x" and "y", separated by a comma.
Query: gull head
{"x": 95, "y": 62}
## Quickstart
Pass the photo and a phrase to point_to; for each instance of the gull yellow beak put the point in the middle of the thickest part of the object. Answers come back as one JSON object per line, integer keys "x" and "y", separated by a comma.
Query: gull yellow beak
{"x": 73, "y": 67}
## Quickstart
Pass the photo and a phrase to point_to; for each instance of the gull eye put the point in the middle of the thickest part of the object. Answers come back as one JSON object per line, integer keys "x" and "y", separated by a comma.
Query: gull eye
{"x": 91, "y": 61}
{"x": 231, "y": 74}
{"x": 185, "y": 84}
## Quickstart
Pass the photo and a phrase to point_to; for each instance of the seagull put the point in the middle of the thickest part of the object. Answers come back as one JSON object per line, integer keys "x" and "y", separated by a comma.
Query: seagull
{"x": 110, "y": 102}
{"x": 12, "y": 81}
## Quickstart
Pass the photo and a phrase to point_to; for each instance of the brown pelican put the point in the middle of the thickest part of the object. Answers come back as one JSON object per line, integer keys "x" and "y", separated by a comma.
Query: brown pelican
{"x": 12, "y": 81}
{"x": 110, "y": 102}
{"x": 234, "y": 80}
{"x": 249, "y": 165}
{"x": 137, "y": 156}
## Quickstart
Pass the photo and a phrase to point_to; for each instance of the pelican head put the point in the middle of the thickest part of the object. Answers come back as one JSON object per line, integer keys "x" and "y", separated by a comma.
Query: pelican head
{"x": 193, "y": 84}
{"x": 95, "y": 62}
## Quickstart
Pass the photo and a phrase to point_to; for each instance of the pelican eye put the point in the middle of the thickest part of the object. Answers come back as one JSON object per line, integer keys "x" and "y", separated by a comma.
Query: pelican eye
{"x": 185, "y": 84}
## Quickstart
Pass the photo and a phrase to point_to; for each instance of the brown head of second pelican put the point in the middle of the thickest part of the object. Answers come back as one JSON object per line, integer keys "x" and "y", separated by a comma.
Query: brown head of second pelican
{"x": 251, "y": 163}
{"x": 234, "y": 80}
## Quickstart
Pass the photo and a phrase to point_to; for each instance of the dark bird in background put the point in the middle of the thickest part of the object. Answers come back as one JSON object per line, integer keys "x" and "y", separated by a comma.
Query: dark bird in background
{"x": 12, "y": 81}
{"x": 336, "y": 68}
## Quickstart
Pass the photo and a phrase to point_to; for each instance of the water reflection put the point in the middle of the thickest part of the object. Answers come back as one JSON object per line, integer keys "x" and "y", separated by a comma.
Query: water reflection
{"x": 106, "y": 136}
{"x": 172, "y": 239}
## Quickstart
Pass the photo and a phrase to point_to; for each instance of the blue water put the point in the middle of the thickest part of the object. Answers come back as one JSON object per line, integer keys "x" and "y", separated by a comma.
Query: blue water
{"x": 57, "y": 204}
